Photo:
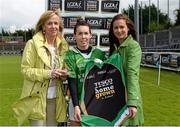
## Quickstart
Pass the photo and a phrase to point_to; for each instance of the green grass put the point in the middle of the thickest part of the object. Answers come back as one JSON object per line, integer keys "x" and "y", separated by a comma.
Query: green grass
{"x": 10, "y": 87}
{"x": 161, "y": 103}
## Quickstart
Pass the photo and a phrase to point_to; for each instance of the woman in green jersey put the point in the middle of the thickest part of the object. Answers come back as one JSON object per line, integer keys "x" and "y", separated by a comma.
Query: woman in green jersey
{"x": 76, "y": 60}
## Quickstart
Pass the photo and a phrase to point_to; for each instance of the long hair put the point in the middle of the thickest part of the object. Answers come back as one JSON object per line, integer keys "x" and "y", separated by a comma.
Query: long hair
{"x": 45, "y": 16}
{"x": 112, "y": 39}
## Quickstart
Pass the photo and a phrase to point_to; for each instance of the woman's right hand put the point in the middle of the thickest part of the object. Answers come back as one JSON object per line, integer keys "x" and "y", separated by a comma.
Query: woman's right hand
{"x": 58, "y": 73}
{"x": 77, "y": 114}
{"x": 132, "y": 111}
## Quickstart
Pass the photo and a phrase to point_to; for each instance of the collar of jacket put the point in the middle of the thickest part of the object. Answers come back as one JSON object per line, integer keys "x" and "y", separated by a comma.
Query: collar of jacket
{"x": 125, "y": 43}
{"x": 41, "y": 46}
{"x": 77, "y": 51}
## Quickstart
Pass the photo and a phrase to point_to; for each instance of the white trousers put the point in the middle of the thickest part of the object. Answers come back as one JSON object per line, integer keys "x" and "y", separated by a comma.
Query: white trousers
{"x": 71, "y": 110}
{"x": 50, "y": 115}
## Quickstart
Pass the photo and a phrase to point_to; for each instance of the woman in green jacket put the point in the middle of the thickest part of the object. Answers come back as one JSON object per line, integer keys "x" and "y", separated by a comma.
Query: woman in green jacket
{"x": 122, "y": 38}
{"x": 76, "y": 60}
{"x": 42, "y": 67}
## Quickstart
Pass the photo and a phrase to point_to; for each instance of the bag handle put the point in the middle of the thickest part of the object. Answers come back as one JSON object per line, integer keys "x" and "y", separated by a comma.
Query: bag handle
{"x": 34, "y": 85}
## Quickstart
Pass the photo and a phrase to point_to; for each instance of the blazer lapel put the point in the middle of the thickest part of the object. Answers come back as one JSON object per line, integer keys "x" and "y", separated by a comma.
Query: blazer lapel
{"x": 45, "y": 56}
{"x": 42, "y": 49}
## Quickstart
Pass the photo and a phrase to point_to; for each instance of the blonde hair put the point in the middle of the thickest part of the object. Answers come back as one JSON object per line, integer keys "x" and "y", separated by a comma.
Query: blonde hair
{"x": 45, "y": 16}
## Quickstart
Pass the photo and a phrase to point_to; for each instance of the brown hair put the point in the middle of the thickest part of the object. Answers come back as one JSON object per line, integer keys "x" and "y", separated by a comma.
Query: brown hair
{"x": 81, "y": 22}
{"x": 112, "y": 39}
{"x": 45, "y": 16}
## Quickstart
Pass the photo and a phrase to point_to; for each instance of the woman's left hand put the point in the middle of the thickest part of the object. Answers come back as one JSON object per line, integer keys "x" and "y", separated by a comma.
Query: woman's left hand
{"x": 62, "y": 73}
{"x": 77, "y": 114}
{"x": 58, "y": 73}
{"x": 132, "y": 111}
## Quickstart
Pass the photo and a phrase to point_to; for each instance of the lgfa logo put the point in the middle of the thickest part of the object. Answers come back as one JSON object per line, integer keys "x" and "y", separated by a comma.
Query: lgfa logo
{"x": 111, "y": 5}
{"x": 70, "y": 38}
{"x": 74, "y": 4}
{"x": 94, "y": 21}
{"x": 105, "y": 40}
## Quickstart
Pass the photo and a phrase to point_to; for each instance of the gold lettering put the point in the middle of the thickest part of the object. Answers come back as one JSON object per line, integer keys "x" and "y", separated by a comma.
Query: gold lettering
{"x": 98, "y": 95}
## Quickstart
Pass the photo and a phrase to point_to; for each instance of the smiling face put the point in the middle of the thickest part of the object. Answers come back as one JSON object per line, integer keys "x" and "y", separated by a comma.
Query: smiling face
{"x": 51, "y": 26}
{"x": 82, "y": 37}
{"x": 120, "y": 29}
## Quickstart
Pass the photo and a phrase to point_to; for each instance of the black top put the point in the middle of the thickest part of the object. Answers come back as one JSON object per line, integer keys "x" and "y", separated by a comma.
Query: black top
{"x": 87, "y": 51}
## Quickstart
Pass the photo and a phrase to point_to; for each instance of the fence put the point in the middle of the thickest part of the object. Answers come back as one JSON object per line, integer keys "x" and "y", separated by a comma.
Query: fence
{"x": 168, "y": 61}
{"x": 11, "y": 49}
{"x": 165, "y": 39}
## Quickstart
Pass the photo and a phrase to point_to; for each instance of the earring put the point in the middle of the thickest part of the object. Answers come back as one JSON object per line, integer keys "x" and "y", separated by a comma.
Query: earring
{"x": 43, "y": 30}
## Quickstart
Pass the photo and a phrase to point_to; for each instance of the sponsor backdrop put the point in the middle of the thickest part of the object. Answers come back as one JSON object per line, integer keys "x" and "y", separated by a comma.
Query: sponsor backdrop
{"x": 98, "y": 13}
{"x": 169, "y": 60}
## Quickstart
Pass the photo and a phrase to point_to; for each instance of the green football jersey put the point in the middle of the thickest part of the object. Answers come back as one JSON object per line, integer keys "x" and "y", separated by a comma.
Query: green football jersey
{"x": 103, "y": 97}
{"x": 76, "y": 63}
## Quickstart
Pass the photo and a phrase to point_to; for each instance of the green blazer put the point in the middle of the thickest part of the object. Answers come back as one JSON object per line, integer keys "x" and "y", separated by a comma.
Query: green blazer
{"x": 131, "y": 52}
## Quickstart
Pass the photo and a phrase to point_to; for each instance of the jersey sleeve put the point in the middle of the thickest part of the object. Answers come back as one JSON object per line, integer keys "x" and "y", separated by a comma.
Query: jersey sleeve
{"x": 70, "y": 64}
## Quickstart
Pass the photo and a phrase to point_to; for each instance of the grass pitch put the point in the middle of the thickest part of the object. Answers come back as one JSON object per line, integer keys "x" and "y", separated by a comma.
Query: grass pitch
{"x": 10, "y": 87}
{"x": 161, "y": 103}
